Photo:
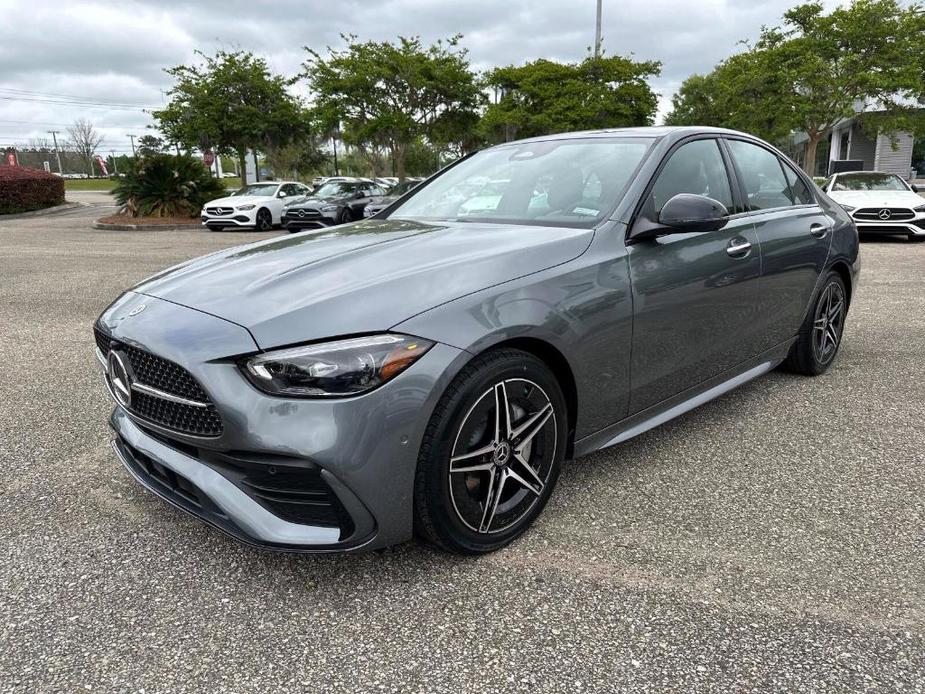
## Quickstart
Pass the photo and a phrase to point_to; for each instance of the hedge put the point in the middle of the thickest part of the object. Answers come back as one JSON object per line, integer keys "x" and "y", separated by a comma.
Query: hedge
{"x": 22, "y": 190}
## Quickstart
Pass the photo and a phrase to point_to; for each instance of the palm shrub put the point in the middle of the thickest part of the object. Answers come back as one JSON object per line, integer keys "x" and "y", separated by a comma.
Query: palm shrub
{"x": 164, "y": 185}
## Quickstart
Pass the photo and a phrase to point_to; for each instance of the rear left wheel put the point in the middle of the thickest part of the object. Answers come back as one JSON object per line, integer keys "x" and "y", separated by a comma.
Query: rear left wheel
{"x": 820, "y": 337}
{"x": 491, "y": 454}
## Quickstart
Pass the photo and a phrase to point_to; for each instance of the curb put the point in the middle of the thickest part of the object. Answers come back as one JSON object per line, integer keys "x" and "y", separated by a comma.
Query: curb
{"x": 146, "y": 227}
{"x": 46, "y": 211}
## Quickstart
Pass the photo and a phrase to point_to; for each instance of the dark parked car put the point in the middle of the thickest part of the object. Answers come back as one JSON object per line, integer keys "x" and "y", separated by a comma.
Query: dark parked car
{"x": 394, "y": 193}
{"x": 428, "y": 372}
{"x": 335, "y": 202}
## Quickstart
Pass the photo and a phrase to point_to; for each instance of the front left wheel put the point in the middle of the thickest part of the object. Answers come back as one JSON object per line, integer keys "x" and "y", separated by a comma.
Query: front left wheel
{"x": 264, "y": 220}
{"x": 491, "y": 453}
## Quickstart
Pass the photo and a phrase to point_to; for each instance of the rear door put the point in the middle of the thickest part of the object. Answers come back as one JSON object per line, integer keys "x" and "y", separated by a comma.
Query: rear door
{"x": 794, "y": 232}
{"x": 695, "y": 295}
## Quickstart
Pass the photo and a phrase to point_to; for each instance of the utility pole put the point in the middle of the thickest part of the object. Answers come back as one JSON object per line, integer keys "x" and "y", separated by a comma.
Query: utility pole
{"x": 115, "y": 169}
{"x": 597, "y": 31}
{"x": 54, "y": 137}
{"x": 132, "y": 138}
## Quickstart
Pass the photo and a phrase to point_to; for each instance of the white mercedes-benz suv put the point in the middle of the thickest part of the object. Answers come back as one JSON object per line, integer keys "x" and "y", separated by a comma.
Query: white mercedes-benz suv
{"x": 258, "y": 206}
{"x": 879, "y": 203}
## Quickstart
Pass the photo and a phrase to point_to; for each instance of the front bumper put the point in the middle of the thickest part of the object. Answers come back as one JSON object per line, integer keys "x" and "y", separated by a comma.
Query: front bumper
{"x": 914, "y": 227}
{"x": 310, "y": 219}
{"x": 244, "y": 219}
{"x": 285, "y": 474}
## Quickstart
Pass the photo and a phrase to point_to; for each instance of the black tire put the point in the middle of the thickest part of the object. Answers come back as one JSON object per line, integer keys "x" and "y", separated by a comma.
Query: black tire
{"x": 809, "y": 355}
{"x": 345, "y": 217}
{"x": 214, "y": 228}
{"x": 447, "y": 505}
{"x": 264, "y": 220}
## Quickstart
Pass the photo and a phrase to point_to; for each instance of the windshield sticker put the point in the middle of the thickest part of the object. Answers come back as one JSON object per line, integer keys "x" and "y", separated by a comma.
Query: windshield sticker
{"x": 587, "y": 211}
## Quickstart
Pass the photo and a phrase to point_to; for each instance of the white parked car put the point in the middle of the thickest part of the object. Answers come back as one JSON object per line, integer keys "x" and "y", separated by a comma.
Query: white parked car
{"x": 257, "y": 205}
{"x": 880, "y": 203}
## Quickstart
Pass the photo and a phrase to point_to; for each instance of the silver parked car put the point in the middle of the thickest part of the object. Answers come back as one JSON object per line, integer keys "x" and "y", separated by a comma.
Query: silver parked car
{"x": 428, "y": 370}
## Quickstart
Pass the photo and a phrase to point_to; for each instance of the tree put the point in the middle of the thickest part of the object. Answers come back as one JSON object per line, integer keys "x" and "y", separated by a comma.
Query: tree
{"x": 149, "y": 145}
{"x": 389, "y": 95}
{"x": 545, "y": 96}
{"x": 744, "y": 92}
{"x": 83, "y": 138}
{"x": 294, "y": 158}
{"x": 164, "y": 185}
{"x": 813, "y": 72}
{"x": 231, "y": 102}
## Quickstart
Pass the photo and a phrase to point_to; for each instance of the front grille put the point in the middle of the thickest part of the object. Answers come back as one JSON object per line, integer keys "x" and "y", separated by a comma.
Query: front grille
{"x": 303, "y": 214}
{"x": 219, "y": 211}
{"x": 170, "y": 378}
{"x": 897, "y": 214}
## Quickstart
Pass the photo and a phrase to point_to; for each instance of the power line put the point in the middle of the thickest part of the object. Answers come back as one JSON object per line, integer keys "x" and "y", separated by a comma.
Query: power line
{"x": 59, "y": 96}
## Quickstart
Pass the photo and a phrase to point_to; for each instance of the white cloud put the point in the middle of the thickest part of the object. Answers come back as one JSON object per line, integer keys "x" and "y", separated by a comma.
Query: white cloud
{"x": 117, "y": 51}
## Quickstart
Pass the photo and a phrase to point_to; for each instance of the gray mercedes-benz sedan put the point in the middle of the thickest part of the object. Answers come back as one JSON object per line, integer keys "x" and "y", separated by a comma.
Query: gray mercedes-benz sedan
{"x": 426, "y": 371}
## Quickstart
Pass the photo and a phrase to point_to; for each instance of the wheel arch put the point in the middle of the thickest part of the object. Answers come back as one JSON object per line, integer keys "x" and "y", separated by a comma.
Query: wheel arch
{"x": 841, "y": 267}
{"x": 557, "y": 363}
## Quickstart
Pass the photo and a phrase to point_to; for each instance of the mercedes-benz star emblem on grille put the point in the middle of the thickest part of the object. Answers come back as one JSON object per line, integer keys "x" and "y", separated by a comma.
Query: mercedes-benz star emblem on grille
{"x": 120, "y": 377}
{"x": 138, "y": 309}
{"x": 301, "y": 213}
{"x": 884, "y": 214}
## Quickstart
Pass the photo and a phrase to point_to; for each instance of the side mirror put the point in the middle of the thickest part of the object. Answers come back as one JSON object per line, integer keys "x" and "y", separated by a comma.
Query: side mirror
{"x": 686, "y": 212}
{"x": 281, "y": 194}
{"x": 915, "y": 188}
{"x": 360, "y": 194}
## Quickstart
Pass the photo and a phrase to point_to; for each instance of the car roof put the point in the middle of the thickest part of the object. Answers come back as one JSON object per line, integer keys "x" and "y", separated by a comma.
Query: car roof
{"x": 863, "y": 173}
{"x": 654, "y": 131}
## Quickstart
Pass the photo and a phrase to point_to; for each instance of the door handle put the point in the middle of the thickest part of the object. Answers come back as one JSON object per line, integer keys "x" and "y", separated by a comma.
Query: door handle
{"x": 818, "y": 230}
{"x": 738, "y": 248}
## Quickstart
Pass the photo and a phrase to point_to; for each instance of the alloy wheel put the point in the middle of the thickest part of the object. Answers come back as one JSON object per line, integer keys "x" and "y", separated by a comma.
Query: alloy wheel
{"x": 264, "y": 220}
{"x": 502, "y": 456}
{"x": 828, "y": 322}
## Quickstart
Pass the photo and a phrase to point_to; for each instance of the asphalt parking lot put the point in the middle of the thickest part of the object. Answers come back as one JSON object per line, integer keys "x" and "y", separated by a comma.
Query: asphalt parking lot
{"x": 773, "y": 539}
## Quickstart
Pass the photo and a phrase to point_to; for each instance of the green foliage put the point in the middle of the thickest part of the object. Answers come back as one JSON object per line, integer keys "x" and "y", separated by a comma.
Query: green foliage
{"x": 164, "y": 185}
{"x": 150, "y": 144}
{"x": 23, "y": 190}
{"x": 813, "y": 71}
{"x": 388, "y": 95}
{"x": 545, "y": 97}
{"x": 231, "y": 102}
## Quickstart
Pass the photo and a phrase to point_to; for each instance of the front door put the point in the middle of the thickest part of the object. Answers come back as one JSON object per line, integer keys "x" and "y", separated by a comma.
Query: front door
{"x": 695, "y": 295}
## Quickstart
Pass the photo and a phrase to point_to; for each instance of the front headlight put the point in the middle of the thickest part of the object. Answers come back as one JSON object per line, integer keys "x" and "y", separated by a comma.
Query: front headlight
{"x": 335, "y": 369}
{"x": 329, "y": 208}
{"x": 245, "y": 207}
{"x": 848, "y": 208}
{"x": 920, "y": 208}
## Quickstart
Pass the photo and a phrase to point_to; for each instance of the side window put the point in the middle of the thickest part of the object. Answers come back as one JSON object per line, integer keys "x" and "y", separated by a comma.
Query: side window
{"x": 762, "y": 176}
{"x": 697, "y": 168}
{"x": 799, "y": 191}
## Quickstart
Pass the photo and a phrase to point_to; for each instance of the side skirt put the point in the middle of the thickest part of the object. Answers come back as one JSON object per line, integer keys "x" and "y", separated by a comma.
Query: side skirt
{"x": 683, "y": 402}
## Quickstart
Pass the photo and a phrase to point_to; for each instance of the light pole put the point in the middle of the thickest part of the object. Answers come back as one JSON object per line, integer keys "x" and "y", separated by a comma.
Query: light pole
{"x": 115, "y": 169}
{"x": 597, "y": 31}
{"x": 132, "y": 138}
{"x": 54, "y": 137}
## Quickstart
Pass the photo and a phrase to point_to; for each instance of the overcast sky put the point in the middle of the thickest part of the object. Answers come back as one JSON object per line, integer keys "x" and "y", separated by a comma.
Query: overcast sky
{"x": 115, "y": 52}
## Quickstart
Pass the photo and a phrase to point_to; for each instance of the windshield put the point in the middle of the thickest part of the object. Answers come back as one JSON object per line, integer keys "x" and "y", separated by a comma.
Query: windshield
{"x": 573, "y": 182}
{"x": 402, "y": 188}
{"x": 263, "y": 189}
{"x": 869, "y": 181}
{"x": 335, "y": 188}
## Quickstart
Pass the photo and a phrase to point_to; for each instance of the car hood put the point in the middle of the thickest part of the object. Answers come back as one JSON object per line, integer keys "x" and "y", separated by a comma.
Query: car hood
{"x": 358, "y": 278}
{"x": 877, "y": 198}
{"x": 313, "y": 201}
{"x": 235, "y": 200}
